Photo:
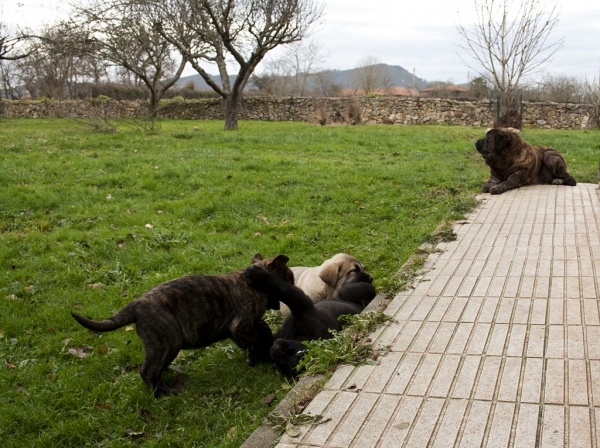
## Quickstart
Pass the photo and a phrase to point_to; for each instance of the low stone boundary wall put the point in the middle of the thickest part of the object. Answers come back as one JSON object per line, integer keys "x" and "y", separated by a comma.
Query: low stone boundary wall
{"x": 385, "y": 110}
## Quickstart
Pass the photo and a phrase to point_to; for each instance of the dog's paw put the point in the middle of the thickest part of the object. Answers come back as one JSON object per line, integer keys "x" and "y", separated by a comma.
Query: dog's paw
{"x": 486, "y": 188}
{"x": 497, "y": 189}
{"x": 256, "y": 275}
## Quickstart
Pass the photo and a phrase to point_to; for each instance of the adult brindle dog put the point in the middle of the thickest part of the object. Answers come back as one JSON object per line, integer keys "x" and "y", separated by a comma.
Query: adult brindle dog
{"x": 195, "y": 311}
{"x": 515, "y": 163}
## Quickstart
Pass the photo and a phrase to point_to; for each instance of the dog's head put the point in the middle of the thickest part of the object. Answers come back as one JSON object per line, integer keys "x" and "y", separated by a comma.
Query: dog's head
{"x": 342, "y": 269}
{"x": 278, "y": 267}
{"x": 498, "y": 143}
{"x": 361, "y": 293}
{"x": 286, "y": 354}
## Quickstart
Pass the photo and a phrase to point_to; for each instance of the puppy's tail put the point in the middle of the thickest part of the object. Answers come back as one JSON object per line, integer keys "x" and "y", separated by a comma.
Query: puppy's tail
{"x": 122, "y": 318}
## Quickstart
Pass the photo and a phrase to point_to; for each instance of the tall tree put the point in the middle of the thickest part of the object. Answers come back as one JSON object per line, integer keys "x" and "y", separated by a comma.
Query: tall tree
{"x": 234, "y": 32}
{"x": 509, "y": 41}
{"x": 124, "y": 38}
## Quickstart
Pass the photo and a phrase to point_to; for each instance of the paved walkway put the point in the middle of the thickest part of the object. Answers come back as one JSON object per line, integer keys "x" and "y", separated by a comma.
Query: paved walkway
{"x": 498, "y": 344}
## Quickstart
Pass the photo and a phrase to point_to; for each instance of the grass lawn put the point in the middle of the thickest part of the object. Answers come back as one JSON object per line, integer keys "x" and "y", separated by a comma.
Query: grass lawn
{"x": 90, "y": 221}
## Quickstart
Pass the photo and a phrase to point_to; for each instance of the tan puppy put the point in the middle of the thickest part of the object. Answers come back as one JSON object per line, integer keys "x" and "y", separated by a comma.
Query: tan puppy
{"x": 321, "y": 282}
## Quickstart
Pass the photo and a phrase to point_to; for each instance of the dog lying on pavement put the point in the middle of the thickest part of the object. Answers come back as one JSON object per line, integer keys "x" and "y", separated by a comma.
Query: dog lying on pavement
{"x": 514, "y": 162}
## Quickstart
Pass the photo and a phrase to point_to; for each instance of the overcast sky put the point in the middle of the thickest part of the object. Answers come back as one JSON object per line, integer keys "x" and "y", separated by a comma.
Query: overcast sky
{"x": 417, "y": 34}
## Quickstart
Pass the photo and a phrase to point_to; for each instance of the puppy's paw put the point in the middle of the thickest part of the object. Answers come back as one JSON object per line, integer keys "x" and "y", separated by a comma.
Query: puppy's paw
{"x": 486, "y": 188}
{"x": 256, "y": 275}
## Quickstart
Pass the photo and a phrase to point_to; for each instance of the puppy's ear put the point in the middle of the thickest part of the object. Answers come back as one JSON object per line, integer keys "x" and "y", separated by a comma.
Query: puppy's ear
{"x": 280, "y": 260}
{"x": 257, "y": 258}
{"x": 329, "y": 272}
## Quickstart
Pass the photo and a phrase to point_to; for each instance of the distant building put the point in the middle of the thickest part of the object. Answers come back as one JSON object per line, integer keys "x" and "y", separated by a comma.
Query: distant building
{"x": 390, "y": 91}
{"x": 444, "y": 91}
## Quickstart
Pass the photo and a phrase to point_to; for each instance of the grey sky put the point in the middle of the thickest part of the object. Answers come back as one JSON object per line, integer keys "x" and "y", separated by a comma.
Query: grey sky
{"x": 416, "y": 34}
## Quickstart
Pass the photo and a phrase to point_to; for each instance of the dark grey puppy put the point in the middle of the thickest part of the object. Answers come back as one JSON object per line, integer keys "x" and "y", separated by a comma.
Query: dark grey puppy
{"x": 195, "y": 311}
{"x": 307, "y": 321}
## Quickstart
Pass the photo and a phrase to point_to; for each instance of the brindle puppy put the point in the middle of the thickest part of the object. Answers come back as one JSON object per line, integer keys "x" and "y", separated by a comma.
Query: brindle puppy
{"x": 514, "y": 163}
{"x": 307, "y": 320}
{"x": 195, "y": 311}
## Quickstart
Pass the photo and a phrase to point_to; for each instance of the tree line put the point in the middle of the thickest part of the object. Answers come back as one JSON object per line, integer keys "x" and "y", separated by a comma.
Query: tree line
{"x": 138, "y": 49}
{"x": 149, "y": 42}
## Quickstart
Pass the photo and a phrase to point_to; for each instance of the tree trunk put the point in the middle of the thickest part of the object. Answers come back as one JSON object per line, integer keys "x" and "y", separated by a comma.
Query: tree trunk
{"x": 231, "y": 105}
{"x": 154, "y": 104}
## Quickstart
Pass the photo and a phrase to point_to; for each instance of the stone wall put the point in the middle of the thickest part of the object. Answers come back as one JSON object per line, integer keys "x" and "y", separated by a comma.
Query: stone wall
{"x": 386, "y": 110}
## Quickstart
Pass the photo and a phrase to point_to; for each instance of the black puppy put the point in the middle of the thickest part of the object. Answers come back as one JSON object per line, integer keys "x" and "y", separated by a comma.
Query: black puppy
{"x": 307, "y": 321}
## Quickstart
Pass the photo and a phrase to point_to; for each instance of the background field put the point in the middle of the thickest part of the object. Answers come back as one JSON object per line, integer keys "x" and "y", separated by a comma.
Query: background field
{"x": 89, "y": 221}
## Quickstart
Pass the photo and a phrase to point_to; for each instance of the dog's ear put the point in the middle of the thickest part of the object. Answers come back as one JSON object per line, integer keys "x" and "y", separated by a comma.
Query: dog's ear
{"x": 257, "y": 258}
{"x": 280, "y": 260}
{"x": 501, "y": 139}
{"x": 329, "y": 272}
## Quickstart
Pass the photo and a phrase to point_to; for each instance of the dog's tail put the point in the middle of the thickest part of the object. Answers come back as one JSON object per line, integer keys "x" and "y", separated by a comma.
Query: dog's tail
{"x": 120, "y": 319}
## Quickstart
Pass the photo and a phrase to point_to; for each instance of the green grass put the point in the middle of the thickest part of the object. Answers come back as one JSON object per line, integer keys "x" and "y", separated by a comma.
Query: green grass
{"x": 75, "y": 206}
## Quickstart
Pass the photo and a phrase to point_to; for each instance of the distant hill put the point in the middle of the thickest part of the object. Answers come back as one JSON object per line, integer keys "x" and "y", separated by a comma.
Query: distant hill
{"x": 399, "y": 75}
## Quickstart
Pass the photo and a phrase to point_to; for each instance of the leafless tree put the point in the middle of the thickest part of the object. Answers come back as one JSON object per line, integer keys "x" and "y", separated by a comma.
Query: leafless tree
{"x": 230, "y": 32}
{"x": 12, "y": 48}
{"x": 326, "y": 85}
{"x": 508, "y": 42}
{"x": 290, "y": 73}
{"x": 9, "y": 80}
{"x": 60, "y": 59}
{"x": 479, "y": 88}
{"x": 591, "y": 95}
{"x": 124, "y": 38}
{"x": 303, "y": 59}
{"x": 11, "y": 43}
{"x": 371, "y": 76}
{"x": 561, "y": 89}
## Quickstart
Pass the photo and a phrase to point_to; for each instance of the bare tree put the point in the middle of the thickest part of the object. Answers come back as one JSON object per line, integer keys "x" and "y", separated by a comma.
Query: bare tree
{"x": 479, "y": 88}
{"x": 509, "y": 42}
{"x": 591, "y": 95}
{"x": 371, "y": 76}
{"x": 326, "y": 85}
{"x": 238, "y": 32}
{"x": 11, "y": 44}
{"x": 124, "y": 38}
{"x": 9, "y": 80}
{"x": 303, "y": 59}
{"x": 290, "y": 73}
{"x": 57, "y": 61}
